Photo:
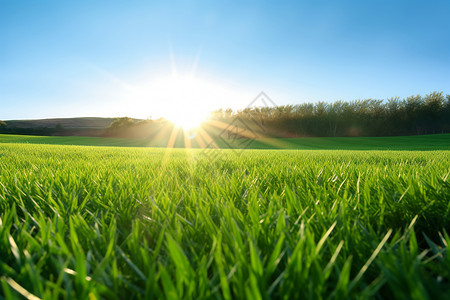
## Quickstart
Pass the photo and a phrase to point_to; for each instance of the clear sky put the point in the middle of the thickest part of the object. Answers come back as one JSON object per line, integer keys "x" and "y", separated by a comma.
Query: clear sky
{"x": 147, "y": 58}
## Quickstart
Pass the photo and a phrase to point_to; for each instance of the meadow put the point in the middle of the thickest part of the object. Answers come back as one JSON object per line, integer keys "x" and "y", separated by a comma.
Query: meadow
{"x": 85, "y": 222}
{"x": 416, "y": 142}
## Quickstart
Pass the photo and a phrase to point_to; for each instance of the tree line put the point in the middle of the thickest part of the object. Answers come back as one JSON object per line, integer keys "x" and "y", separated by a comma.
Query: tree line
{"x": 413, "y": 115}
{"x": 410, "y": 116}
{"x": 40, "y": 131}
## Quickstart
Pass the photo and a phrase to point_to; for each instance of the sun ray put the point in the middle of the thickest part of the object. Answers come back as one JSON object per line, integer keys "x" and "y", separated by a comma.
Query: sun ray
{"x": 173, "y": 137}
{"x": 170, "y": 145}
{"x": 275, "y": 142}
{"x": 162, "y": 133}
{"x": 195, "y": 64}
{"x": 187, "y": 140}
{"x": 200, "y": 141}
{"x": 173, "y": 65}
{"x": 116, "y": 80}
{"x": 249, "y": 134}
{"x": 209, "y": 141}
{"x": 231, "y": 128}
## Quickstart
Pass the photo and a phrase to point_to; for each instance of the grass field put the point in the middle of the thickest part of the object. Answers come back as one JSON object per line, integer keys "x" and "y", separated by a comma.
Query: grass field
{"x": 421, "y": 142}
{"x": 134, "y": 223}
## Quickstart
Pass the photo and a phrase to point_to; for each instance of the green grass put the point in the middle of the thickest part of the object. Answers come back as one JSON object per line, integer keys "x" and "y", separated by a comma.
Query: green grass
{"x": 71, "y": 140}
{"x": 421, "y": 142}
{"x": 136, "y": 223}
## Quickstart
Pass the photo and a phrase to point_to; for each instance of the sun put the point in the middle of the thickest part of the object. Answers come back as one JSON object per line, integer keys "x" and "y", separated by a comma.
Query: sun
{"x": 188, "y": 120}
{"x": 186, "y": 101}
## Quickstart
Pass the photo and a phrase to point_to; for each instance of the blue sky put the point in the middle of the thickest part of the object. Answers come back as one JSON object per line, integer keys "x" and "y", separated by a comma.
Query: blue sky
{"x": 102, "y": 58}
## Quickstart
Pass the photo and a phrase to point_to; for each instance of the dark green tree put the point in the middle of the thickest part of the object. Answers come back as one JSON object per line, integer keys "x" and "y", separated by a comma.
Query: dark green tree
{"x": 121, "y": 123}
{"x": 369, "y": 117}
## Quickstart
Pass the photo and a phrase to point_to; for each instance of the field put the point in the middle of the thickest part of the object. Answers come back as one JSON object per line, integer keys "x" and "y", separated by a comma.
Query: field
{"x": 421, "y": 142}
{"x": 84, "y": 222}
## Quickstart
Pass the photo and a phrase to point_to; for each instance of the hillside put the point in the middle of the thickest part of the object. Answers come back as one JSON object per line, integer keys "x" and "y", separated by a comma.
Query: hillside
{"x": 86, "y": 122}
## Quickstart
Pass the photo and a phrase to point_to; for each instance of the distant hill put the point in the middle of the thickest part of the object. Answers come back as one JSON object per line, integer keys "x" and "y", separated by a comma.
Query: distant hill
{"x": 82, "y": 123}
